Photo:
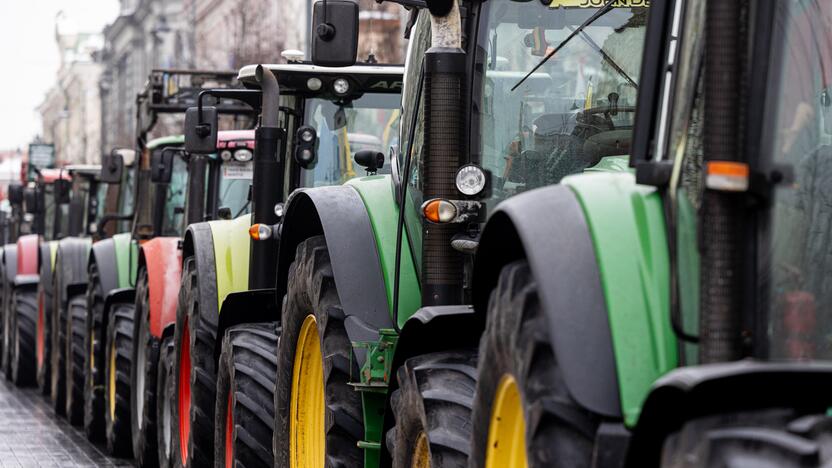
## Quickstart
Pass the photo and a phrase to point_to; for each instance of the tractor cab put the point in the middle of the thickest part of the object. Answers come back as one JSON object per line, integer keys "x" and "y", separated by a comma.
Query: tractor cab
{"x": 86, "y": 200}
{"x": 47, "y": 201}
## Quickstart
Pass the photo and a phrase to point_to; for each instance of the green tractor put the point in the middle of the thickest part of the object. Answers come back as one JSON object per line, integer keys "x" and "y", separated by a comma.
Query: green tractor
{"x": 664, "y": 309}
{"x": 226, "y": 339}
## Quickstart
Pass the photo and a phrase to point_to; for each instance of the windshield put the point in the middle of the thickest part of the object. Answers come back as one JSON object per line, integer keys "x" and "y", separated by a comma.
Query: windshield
{"x": 173, "y": 221}
{"x": 126, "y": 196}
{"x": 576, "y": 111}
{"x": 796, "y": 252}
{"x": 235, "y": 179}
{"x": 345, "y": 128}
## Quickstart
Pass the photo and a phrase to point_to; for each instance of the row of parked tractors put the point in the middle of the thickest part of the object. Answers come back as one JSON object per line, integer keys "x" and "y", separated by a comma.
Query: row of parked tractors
{"x": 566, "y": 233}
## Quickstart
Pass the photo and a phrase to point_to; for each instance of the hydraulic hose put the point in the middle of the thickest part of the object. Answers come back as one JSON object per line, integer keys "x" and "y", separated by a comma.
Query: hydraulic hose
{"x": 721, "y": 279}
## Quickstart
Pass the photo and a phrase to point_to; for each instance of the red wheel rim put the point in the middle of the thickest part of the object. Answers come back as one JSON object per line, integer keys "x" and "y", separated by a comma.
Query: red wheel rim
{"x": 40, "y": 337}
{"x": 185, "y": 393}
{"x": 229, "y": 435}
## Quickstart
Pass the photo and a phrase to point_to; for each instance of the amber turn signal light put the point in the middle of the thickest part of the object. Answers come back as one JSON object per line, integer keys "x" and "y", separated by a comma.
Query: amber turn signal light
{"x": 260, "y": 231}
{"x": 439, "y": 211}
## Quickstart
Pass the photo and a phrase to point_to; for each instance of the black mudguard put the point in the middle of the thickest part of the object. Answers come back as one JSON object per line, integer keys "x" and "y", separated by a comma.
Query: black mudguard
{"x": 199, "y": 243}
{"x": 45, "y": 270}
{"x": 699, "y": 391}
{"x": 253, "y": 306}
{"x": 71, "y": 263}
{"x": 10, "y": 262}
{"x": 339, "y": 214}
{"x": 104, "y": 255}
{"x": 547, "y": 227}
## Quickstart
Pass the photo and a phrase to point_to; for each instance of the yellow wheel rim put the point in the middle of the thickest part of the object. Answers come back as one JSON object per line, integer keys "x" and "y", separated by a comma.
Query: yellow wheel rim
{"x": 307, "y": 436}
{"x": 421, "y": 454}
{"x": 111, "y": 386}
{"x": 507, "y": 428}
{"x": 92, "y": 354}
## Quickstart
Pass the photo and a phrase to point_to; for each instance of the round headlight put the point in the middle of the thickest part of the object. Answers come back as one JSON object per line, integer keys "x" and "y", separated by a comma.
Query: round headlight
{"x": 470, "y": 180}
{"x": 313, "y": 84}
{"x": 307, "y": 135}
{"x": 278, "y": 210}
{"x": 225, "y": 155}
{"x": 306, "y": 156}
{"x": 341, "y": 86}
{"x": 243, "y": 155}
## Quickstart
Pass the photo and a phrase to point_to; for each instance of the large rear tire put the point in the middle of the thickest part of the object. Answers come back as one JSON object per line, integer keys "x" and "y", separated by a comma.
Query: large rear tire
{"x": 143, "y": 379}
{"x": 43, "y": 341}
{"x": 24, "y": 360}
{"x": 8, "y": 334}
{"x": 166, "y": 385}
{"x": 119, "y": 347}
{"x": 319, "y": 419}
{"x": 75, "y": 350}
{"x": 196, "y": 374}
{"x": 523, "y": 414}
{"x": 432, "y": 408}
{"x": 769, "y": 438}
{"x": 244, "y": 419}
{"x": 94, "y": 358}
{"x": 57, "y": 356}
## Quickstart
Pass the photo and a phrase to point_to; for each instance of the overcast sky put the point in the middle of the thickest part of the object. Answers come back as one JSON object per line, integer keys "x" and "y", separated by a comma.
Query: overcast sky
{"x": 29, "y": 57}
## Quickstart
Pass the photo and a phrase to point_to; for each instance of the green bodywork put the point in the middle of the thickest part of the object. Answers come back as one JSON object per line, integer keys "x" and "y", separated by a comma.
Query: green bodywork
{"x": 166, "y": 141}
{"x": 627, "y": 225}
{"x": 231, "y": 251}
{"x": 127, "y": 259}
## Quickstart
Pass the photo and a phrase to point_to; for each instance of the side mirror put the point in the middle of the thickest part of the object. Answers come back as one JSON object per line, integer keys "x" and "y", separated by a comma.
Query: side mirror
{"x": 306, "y": 148}
{"x": 335, "y": 33}
{"x": 15, "y": 194}
{"x": 161, "y": 166}
{"x": 201, "y": 133}
{"x": 31, "y": 201}
{"x": 62, "y": 191}
{"x": 112, "y": 168}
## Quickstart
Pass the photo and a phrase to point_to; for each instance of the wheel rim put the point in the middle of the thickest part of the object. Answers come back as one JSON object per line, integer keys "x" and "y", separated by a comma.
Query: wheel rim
{"x": 229, "y": 435}
{"x": 306, "y": 427}
{"x": 185, "y": 392}
{"x": 421, "y": 454}
{"x": 111, "y": 380}
{"x": 40, "y": 338}
{"x": 166, "y": 417}
{"x": 507, "y": 428}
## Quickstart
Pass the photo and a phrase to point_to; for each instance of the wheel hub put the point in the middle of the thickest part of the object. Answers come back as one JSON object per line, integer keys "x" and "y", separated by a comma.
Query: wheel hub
{"x": 507, "y": 428}
{"x": 307, "y": 436}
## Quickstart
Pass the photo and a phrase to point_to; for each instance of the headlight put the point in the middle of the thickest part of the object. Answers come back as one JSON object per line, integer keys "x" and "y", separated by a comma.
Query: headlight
{"x": 225, "y": 155}
{"x": 243, "y": 155}
{"x": 307, "y": 135}
{"x": 341, "y": 86}
{"x": 470, "y": 180}
{"x": 313, "y": 84}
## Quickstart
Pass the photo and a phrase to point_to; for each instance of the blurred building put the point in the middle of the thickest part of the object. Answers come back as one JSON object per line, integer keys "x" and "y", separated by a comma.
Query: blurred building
{"x": 70, "y": 111}
{"x": 147, "y": 34}
{"x": 10, "y": 163}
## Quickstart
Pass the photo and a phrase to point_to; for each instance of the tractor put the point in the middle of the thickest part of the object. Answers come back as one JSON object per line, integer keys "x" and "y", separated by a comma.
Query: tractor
{"x": 225, "y": 342}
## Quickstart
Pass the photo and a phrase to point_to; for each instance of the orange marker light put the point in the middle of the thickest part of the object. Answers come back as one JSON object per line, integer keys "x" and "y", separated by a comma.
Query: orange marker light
{"x": 260, "y": 231}
{"x": 727, "y": 176}
{"x": 431, "y": 211}
{"x": 439, "y": 211}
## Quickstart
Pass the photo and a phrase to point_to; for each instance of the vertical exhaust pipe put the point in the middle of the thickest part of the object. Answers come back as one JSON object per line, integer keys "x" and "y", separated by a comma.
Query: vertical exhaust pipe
{"x": 721, "y": 270}
{"x": 444, "y": 144}
{"x": 267, "y": 184}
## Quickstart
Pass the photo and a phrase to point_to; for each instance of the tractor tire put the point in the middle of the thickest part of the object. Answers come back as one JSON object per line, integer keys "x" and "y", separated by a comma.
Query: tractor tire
{"x": 143, "y": 379}
{"x": 94, "y": 358}
{"x": 165, "y": 385}
{"x": 8, "y": 335}
{"x": 57, "y": 356}
{"x": 313, "y": 322}
{"x": 43, "y": 341}
{"x": 432, "y": 408}
{"x": 76, "y": 330}
{"x": 119, "y": 351}
{"x": 24, "y": 360}
{"x": 244, "y": 420}
{"x": 768, "y": 438}
{"x": 196, "y": 375}
{"x": 519, "y": 386}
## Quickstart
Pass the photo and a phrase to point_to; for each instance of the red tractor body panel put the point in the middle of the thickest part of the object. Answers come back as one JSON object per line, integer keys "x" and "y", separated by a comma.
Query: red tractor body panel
{"x": 163, "y": 260}
{"x": 27, "y": 254}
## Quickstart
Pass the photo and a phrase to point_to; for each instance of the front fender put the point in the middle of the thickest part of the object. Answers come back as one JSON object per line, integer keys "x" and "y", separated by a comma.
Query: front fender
{"x": 127, "y": 259}
{"x": 9, "y": 262}
{"x": 231, "y": 243}
{"x": 104, "y": 256}
{"x": 71, "y": 264}
{"x": 343, "y": 216}
{"x": 163, "y": 260}
{"x": 27, "y": 254}
{"x": 199, "y": 244}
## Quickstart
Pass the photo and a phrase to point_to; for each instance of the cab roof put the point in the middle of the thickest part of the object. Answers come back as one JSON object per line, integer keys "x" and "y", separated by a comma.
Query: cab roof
{"x": 84, "y": 169}
{"x": 51, "y": 175}
{"x": 293, "y": 78}
{"x": 166, "y": 141}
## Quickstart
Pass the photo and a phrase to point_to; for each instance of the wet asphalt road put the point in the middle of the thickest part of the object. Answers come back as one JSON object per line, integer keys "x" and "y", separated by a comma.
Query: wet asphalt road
{"x": 31, "y": 436}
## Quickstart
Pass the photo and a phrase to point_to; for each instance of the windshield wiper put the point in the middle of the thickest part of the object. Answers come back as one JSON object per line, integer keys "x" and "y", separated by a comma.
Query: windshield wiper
{"x": 603, "y": 11}
{"x": 608, "y": 59}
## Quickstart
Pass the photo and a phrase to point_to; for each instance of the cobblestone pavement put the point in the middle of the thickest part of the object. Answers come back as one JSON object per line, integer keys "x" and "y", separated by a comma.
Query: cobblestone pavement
{"x": 31, "y": 436}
